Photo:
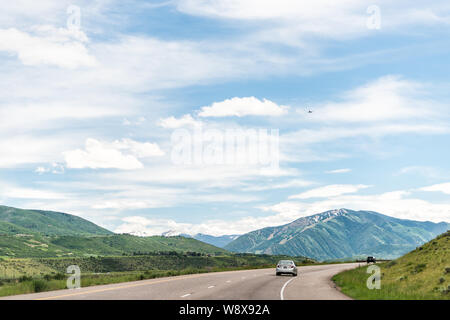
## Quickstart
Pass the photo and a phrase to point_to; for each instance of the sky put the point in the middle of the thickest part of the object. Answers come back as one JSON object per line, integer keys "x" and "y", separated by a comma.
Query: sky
{"x": 194, "y": 116}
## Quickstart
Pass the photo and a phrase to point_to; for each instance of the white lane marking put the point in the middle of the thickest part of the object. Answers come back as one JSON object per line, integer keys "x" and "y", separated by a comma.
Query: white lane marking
{"x": 186, "y": 295}
{"x": 211, "y": 287}
{"x": 282, "y": 289}
{"x": 243, "y": 277}
{"x": 228, "y": 281}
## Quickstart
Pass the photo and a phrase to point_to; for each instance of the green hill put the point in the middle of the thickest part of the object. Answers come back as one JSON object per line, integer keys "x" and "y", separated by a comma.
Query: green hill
{"x": 338, "y": 234}
{"x": 39, "y": 234}
{"x": 19, "y": 221}
{"x": 423, "y": 273}
{"x": 36, "y": 246}
{"x": 128, "y": 244}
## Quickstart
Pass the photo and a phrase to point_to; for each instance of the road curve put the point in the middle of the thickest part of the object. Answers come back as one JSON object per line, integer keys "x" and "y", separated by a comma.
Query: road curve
{"x": 312, "y": 283}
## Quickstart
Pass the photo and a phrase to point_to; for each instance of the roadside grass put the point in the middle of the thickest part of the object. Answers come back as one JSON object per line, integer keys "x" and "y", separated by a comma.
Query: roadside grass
{"x": 47, "y": 283}
{"x": 21, "y": 276}
{"x": 424, "y": 274}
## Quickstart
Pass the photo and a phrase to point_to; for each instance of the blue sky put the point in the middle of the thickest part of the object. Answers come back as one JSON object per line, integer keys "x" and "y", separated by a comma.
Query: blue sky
{"x": 93, "y": 92}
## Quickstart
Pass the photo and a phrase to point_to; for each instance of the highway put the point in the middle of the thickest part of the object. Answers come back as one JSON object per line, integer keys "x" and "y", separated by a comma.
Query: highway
{"x": 312, "y": 283}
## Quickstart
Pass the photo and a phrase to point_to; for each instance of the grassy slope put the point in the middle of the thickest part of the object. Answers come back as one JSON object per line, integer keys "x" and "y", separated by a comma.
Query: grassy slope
{"x": 128, "y": 244}
{"x": 44, "y": 234}
{"x": 36, "y": 246}
{"x": 424, "y": 273}
{"x": 13, "y": 221}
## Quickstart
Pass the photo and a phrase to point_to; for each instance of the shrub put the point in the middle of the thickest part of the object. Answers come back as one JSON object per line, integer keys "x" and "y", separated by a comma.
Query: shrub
{"x": 59, "y": 276}
{"x": 420, "y": 267}
{"x": 391, "y": 263}
{"x": 447, "y": 270}
{"x": 25, "y": 278}
{"x": 441, "y": 280}
{"x": 39, "y": 285}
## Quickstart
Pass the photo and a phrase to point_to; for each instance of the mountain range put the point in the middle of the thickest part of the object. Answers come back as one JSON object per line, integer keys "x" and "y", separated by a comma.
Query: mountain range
{"x": 339, "y": 234}
{"x": 331, "y": 235}
{"x": 218, "y": 241}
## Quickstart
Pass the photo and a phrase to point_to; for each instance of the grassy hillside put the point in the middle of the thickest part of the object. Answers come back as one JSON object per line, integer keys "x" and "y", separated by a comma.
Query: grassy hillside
{"x": 36, "y": 246}
{"x": 45, "y": 234}
{"x": 128, "y": 244}
{"x": 423, "y": 273}
{"x": 340, "y": 234}
{"x": 19, "y": 221}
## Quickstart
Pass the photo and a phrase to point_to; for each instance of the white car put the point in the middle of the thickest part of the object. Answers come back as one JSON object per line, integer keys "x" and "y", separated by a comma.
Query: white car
{"x": 286, "y": 267}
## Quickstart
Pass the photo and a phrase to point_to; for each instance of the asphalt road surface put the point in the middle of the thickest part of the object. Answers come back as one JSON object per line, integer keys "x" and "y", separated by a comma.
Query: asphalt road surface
{"x": 312, "y": 283}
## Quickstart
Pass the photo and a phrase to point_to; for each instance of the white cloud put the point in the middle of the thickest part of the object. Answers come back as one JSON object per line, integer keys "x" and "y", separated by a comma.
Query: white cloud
{"x": 387, "y": 98}
{"x": 50, "y": 46}
{"x": 41, "y": 170}
{"x": 329, "y": 191}
{"x": 442, "y": 187}
{"x": 98, "y": 155}
{"x": 387, "y": 106}
{"x": 398, "y": 204}
{"x": 344, "y": 170}
{"x": 139, "y": 149}
{"x": 174, "y": 123}
{"x": 291, "y": 22}
{"x": 243, "y": 107}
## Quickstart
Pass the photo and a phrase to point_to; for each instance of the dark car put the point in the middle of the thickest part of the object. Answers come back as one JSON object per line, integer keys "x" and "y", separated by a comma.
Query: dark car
{"x": 371, "y": 259}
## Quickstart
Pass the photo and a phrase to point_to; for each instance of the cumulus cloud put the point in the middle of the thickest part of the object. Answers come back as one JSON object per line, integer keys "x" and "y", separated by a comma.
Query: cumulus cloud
{"x": 99, "y": 155}
{"x": 239, "y": 107}
{"x": 174, "y": 123}
{"x": 139, "y": 149}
